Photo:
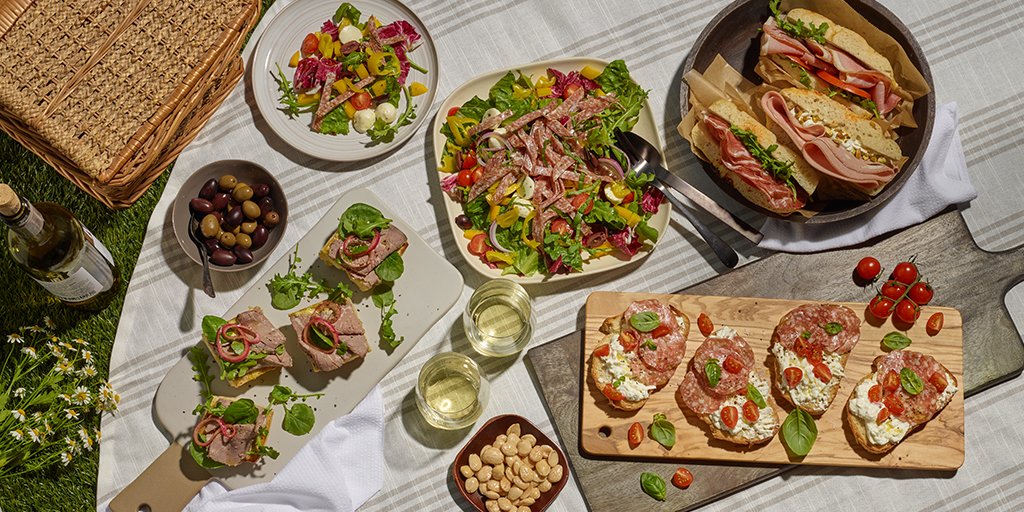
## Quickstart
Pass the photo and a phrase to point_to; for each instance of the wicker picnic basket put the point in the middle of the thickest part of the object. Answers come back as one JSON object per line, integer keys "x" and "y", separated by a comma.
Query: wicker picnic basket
{"x": 108, "y": 92}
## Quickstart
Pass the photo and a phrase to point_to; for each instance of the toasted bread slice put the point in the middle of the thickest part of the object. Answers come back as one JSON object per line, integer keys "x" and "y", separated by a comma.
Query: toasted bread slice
{"x": 600, "y": 373}
{"x": 834, "y": 115}
{"x": 846, "y": 40}
{"x": 860, "y": 428}
{"x": 361, "y": 283}
{"x": 815, "y": 397}
{"x": 773, "y": 409}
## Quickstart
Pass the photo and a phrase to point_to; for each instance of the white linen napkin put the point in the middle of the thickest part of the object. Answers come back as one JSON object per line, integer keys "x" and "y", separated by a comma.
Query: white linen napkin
{"x": 940, "y": 181}
{"x": 337, "y": 471}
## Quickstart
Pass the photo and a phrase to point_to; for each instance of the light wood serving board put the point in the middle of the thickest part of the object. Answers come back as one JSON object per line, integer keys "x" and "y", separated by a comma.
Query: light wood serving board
{"x": 939, "y": 445}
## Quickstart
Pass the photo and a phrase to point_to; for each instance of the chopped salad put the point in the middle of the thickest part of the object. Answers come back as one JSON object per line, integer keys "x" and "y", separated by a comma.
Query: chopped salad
{"x": 352, "y": 75}
{"x": 540, "y": 180}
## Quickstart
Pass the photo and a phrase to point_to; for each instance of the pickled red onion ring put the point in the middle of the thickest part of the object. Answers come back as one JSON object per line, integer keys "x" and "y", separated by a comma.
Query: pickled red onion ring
{"x": 317, "y": 321}
{"x": 226, "y": 430}
{"x": 241, "y": 333}
{"x": 351, "y": 239}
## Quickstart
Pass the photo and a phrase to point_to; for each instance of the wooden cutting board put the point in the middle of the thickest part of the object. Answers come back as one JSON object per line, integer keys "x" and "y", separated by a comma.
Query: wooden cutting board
{"x": 938, "y": 445}
{"x": 968, "y": 279}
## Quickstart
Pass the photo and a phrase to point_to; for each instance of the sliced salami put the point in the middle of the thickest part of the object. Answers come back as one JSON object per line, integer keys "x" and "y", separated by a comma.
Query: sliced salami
{"x": 694, "y": 396}
{"x": 663, "y": 311}
{"x": 921, "y": 407}
{"x": 667, "y": 352}
{"x": 719, "y": 349}
{"x": 649, "y": 376}
{"x": 810, "y": 321}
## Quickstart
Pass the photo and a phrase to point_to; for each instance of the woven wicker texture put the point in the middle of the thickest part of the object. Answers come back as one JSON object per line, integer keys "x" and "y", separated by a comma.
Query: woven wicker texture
{"x": 108, "y": 92}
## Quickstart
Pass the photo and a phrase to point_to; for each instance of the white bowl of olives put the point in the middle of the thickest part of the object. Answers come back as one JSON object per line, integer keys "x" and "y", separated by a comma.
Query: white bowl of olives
{"x": 240, "y": 213}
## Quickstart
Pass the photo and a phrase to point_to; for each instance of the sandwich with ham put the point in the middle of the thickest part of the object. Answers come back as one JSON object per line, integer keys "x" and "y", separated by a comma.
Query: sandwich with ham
{"x": 752, "y": 159}
{"x": 854, "y": 153}
{"x": 804, "y": 49}
{"x": 330, "y": 333}
{"x": 230, "y": 432}
{"x": 245, "y": 347}
{"x": 367, "y": 246}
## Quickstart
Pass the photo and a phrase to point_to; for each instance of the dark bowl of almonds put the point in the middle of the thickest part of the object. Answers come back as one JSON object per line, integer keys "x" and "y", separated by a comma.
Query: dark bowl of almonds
{"x": 236, "y": 209}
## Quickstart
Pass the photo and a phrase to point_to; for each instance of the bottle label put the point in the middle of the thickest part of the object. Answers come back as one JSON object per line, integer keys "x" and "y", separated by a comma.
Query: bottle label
{"x": 91, "y": 238}
{"x": 31, "y": 222}
{"x": 81, "y": 285}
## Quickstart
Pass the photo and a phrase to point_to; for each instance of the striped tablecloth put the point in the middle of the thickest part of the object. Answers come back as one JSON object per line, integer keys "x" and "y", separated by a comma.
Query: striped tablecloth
{"x": 971, "y": 47}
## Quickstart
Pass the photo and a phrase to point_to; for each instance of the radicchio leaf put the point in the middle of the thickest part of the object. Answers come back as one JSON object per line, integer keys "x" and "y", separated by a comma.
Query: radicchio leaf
{"x": 651, "y": 200}
{"x": 564, "y": 80}
{"x": 626, "y": 241}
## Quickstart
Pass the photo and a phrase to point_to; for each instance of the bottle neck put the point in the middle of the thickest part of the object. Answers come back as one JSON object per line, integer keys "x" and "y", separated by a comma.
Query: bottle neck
{"x": 28, "y": 222}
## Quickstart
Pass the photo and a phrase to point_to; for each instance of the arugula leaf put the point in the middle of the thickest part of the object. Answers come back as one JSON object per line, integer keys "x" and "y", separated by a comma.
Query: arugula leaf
{"x": 241, "y": 412}
{"x": 805, "y": 78}
{"x": 561, "y": 246}
{"x": 360, "y": 220}
{"x": 384, "y": 298}
{"x": 353, "y": 60}
{"x": 603, "y": 213}
{"x": 347, "y": 10}
{"x": 624, "y": 113}
{"x": 383, "y": 132}
{"x": 781, "y": 171}
{"x": 287, "y": 291}
{"x": 798, "y": 29}
{"x": 202, "y": 458}
{"x": 653, "y": 485}
{"x": 289, "y": 98}
{"x": 335, "y": 122}
{"x": 391, "y": 268}
{"x": 639, "y": 180}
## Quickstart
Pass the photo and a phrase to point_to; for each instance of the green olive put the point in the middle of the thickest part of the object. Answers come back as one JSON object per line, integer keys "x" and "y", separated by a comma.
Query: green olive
{"x": 248, "y": 227}
{"x": 271, "y": 219}
{"x": 251, "y": 209}
{"x": 227, "y": 182}
{"x": 242, "y": 192}
{"x": 237, "y": 230}
{"x": 243, "y": 240}
{"x": 227, "y": 239}
{"x": 209, "y": 226}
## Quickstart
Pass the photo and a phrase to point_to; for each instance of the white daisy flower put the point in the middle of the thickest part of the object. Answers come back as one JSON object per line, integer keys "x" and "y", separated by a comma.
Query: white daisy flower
{"x": 81, "y": 396}
{"x": 67, "y": 345}
{"x": 87, "y": 356}
{"x": 31, "y": 352}
{"x": 34, "y": 328}
{"x": 65, "y": 457}
{"x": 19, "y": 393}
{"x": 15, "y": 338}
{"x": 17, "y": 434}
{"x": 47, "y": 427}
{"x": 49, "y": 323}
{"x": 71, "y": 414}
{"x": 88, "y": 371}
{"x": 64, "y": 367}
{"x": 35, "y": 434}
{"x": 83, "y": 434}
{"x": 19, "y": 414}
{"x": 81, "y": 342}
{"x": 66, "y": 397}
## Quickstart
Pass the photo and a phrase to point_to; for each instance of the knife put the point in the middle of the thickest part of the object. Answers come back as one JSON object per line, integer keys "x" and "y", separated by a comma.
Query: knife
{"x": 700, "y": 199}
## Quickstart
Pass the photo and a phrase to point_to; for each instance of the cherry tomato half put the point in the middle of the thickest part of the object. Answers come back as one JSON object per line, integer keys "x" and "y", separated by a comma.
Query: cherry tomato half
{"x": 894, "y": 404}
{"x": 465, "y": 178}
{"x": 479, "y": 171}
{"x": 452, "y": 111}
{"x": 905, "y": 272}
{"x": 875, "y": 393}
{"x": 578, "y": 201}
{"x": 730, "y": 416}
{"x": 310, "y": 44}
{"x": 793, "y": 376}
{"x": 823, "y": 372}
{"x": 921, "y": 293}
{"x": 934, "y": 324}
{"x": 881, "y": 307}
{"x": 883, "y": 415}
{"x": 907, "y": 311}
{"x": 938, "y": 379}
{"x": 478, "y": 245}
{"x": 469, "y": 162}
{"x": 628, "y": 341}
{"x": 682, "y": 478}
{"x": 868, "y": 269}
{"x": 361, "y": 100}
{"x": 570, "y": 89}
{"x": 611, "y": 392}
{"x": 636, "y": 435}
{"x": 602, "y": 351}
{"x": 890, "y": 382}
{"x": 560, "y": 226}
{"x": 750, "y": 411}
{"x": 705, "y": 325}
{"x": 732, "y": 364}
{"x": 660, "y": 331}
{"x": 893, "y": 289}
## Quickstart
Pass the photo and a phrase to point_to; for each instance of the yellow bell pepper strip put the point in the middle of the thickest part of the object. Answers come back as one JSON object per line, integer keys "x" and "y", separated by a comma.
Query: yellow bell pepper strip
{"x": 495, "y": 257}
{"x": 447, "y": 163}
{"x": 631, "y": 218}
{"x": 543, "y": 91}
{"x": 362, "y": 72}
{"x": 526, "y": 228}
{"x": 590, "y": 72}
{"x": 350, "y": 110}
{"x": 379, "y": 88}
{"x": 306, "y": 100}
{"x": 417, "y": 89}
{"x": 326, "y": 46}
{"x": 340, "y": 86}
{"x": 383, "y": 63}
{"x": 519, "y": 92}
{"x": 459, "y": 125}
{"x": 493, "y": 214}
{"x": 469, "y": 234}
{"x": 295, "y": 59}
{"x": 508, "y": 218}
{"x": 337, "y": 48}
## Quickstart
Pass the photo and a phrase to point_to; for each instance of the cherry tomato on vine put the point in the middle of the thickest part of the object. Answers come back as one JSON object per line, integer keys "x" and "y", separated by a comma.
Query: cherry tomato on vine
{"x": 907, "y": 311}
{"x": 905, "y": 272}
{"x": 868, "y": 269}
{"x": 921, "y": 293}
{"x": 893, "y": 289}
{"x": 881, "y": 307}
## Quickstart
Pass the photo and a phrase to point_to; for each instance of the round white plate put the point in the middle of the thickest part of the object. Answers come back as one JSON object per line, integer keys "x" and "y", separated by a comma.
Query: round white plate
{"x": 479, "y": 86}
{"x": 282, "y": 39}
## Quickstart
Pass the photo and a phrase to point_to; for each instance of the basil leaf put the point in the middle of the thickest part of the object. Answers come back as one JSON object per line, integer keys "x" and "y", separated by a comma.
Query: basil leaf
{"x": 202, "y": 458}
{"x": 653, "y": 485}
{"x": 806, "y": 335}
{"x": 212, "y": 324}
{"x": 391, "y": 268}
{"x": 755, "y": 396}
{"x": 241, "y": 412}
{"x": 833, "y": 328}
{"x": 912, "y": 384}
{"x": 268, "y": 451}
{"x": 645, "y": 321}
{"x": 713, "y": 372}
{"x": 799, "y": 432}
{"x": 895, "y": 341}
{"x": 663, "y": 431}
{"x": 298, "y": 420}
{"x": 650, "y": 344}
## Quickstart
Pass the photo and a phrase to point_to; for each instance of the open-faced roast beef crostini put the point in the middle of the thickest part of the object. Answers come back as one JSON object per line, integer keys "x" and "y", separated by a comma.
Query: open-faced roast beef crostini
{"x": 231, "y": 432}
{"x": 365, "y": 240}
{"x": 330, "y": 334}
{"x": 245, "y": 347}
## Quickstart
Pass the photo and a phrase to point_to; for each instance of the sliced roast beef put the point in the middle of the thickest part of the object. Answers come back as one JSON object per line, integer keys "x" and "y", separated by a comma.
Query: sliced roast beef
{"x": 269, "y": 338}
{"x": 391, "y": 240}
{"x": 351, "y": 335}
{"x": 233, "y": 451}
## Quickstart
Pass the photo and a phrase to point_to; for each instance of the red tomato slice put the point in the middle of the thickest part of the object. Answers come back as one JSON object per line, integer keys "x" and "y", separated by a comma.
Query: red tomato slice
{"x": 890, "y": 382}
{"x": 628, "y": 342}
{"x": 822, "y": 372}
{"x": 561, "y": 226}
{"x": 882, "y": 416}
{"x": 682, "y": 478}
{"x": 894, "y": 404}
{"x": 793, "y": 376}
{"x": 602, "y": 351}
{"x": 875, "y": 393}
{"x": 361, "y": 101}
{"x": 469, "y": 162}
{"x": 798, "y": 62}
{"x": 452, "y": 111}
{"x": 833, "y": 80}
{"x": 816, "y": 354}
{"x": 732, "y": 364}
{"x": 750, "y": 411}
{"x": 938, "y": 379}
{"x": 310, "y": 44}
{"x": 730, "y": 416}
{"x": 465, "y": 178}
{"x": 934, "y": 324}
{"x": 571, "y": 88}
{"x": 705, "y": 325}
{"x": 660, "y": 331}
{"x": 578, "y": 201}
{"x": 478, "y": 245}
{"x": 636, "y": 435}
{"x": 611, "y": 393}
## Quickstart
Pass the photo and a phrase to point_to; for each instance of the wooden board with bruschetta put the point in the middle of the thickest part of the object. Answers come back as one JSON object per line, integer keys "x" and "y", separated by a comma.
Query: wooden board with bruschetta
{"x": 935, "y": 444}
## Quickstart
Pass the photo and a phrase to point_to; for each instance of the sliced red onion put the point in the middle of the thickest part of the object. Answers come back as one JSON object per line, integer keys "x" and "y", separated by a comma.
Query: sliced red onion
{"x": 351, "y": 239}
{"x": 610, "y": 167}
{"x": 316, "y": 321}
{"x": 493, "y": 236}
{"x": 483, "y": 148}
{"x": 226, "y": 430}
{"x": 241, "y": 333}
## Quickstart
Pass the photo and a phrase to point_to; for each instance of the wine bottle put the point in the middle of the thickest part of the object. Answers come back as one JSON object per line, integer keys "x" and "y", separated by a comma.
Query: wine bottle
{"x": 58, "y": 252}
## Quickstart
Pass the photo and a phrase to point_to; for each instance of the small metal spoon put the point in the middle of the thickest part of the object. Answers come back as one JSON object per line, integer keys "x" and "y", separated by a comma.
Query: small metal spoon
{"x": 193, "y": 230}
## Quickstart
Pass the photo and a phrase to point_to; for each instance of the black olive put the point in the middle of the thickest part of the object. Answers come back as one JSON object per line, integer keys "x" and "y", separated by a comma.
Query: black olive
{"x": 212, "y": 244}
{"x": 242, "y": 255}
{"x": 259, "y": 237}
{"x": 463, "y": 222}
{"x": 201, "y": 205}
{"x": 260, "y": 190}
{"x": 220, "y": 200}
{"x": 223, "y": 257}
{"x": 266, "y": 205}
{"x": 234, "y": 217}
{"x": 208, "y": 190}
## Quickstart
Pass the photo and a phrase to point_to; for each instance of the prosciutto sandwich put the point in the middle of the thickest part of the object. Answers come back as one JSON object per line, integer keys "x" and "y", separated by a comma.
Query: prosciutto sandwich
{"x": 852, "y": 152}
{"x": 330, "y": 334}
{"x": 906, "y": 390}
{"x": 245, "y": 347}
{"x": 770, "y": 174}
{"x": 722, "y": 387}
{"x": 805, "y": 49}
{"x": 640, "y": 352}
